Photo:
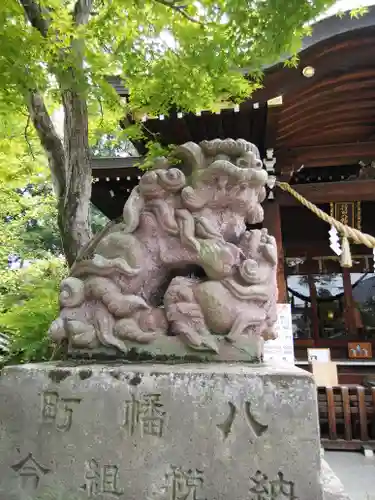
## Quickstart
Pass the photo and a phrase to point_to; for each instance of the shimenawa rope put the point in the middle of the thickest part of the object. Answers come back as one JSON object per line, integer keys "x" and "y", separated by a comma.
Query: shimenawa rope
{"x": 347, "y": 233}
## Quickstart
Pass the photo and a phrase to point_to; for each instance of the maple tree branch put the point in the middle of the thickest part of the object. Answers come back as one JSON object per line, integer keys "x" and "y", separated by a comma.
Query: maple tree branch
{"x": 152, "y": 134}
{"x": 82, "y": 11}
{"x": 48, "y": 136}
{"x": 38, "y": 112}
{"x": 101, "y": 111}
{"x": 26, "y": 133}
{"x": 36, "y": 16}
{"x": 39, "y": 18}
{"x": 181, "y": 9}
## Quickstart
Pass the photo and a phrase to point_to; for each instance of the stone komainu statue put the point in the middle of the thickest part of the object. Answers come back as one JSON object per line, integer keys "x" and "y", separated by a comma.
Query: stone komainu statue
{"x": 180, "y": 273}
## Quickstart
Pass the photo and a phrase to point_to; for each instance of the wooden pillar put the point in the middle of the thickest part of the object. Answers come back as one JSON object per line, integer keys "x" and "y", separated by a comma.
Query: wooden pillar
{"x": 272, "y": 221}
{"x": 314, "y": 309}
{"x": 350, "y": 320}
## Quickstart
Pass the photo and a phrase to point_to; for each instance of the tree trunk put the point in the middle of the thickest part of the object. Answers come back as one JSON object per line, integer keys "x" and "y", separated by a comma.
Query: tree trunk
{"x": 74, "y": 202}
{"x": 70, "y": 168}
{"x": 69, "y": 162}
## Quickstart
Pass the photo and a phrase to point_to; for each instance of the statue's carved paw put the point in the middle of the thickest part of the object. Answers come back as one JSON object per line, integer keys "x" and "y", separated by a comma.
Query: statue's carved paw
{"x": 198, "y": 340}
{"x": 128, "y": 329}
{"x": 208, "y": 342}
{"x": 126, "y": 305}
{"x": 57, "y": 331}
{"x": 82, "y": 335}
{"x": 78, "y": 333}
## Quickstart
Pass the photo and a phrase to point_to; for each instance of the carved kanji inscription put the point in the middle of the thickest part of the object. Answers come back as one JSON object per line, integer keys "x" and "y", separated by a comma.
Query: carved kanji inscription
{"x": 144, "y": 414}
{"x": 226, "y": 426}
{"x": 257, "y": 428}
{"x": 30, "y": 472}
{"x": 262, "y": 488}
{"x": 101, "y": 480}
{"x": 57, "y": 410}
{"x": 182, "y": 484}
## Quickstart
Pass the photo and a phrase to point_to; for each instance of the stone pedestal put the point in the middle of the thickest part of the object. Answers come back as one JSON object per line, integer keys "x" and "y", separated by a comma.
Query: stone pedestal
{"x": 158, "y": 432}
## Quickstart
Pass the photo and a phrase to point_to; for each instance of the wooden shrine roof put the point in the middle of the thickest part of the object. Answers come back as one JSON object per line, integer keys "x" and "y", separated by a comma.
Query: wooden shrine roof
{"x": 330, "y": 120}
{"x": 325, "y": 121}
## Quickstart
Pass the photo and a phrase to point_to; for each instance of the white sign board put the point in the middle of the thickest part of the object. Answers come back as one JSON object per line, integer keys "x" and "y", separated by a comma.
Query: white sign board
{"x": 282, "y": 348}
{"x": 318, "y": 355}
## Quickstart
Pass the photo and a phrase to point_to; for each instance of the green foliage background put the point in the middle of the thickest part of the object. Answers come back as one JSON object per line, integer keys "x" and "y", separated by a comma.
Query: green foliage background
{"x": 169, "y": 54}
{"x": 29, "y": 295}
{"x": 28, "y": 305}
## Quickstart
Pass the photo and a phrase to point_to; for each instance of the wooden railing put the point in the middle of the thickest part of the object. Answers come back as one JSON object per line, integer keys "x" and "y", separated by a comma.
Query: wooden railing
{"x": 347, "y": 417}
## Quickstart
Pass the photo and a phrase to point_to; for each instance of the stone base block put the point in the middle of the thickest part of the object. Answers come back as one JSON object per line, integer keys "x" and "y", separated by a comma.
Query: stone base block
{"x": 158, "y": 432}
{"x": 332, "y": 486}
